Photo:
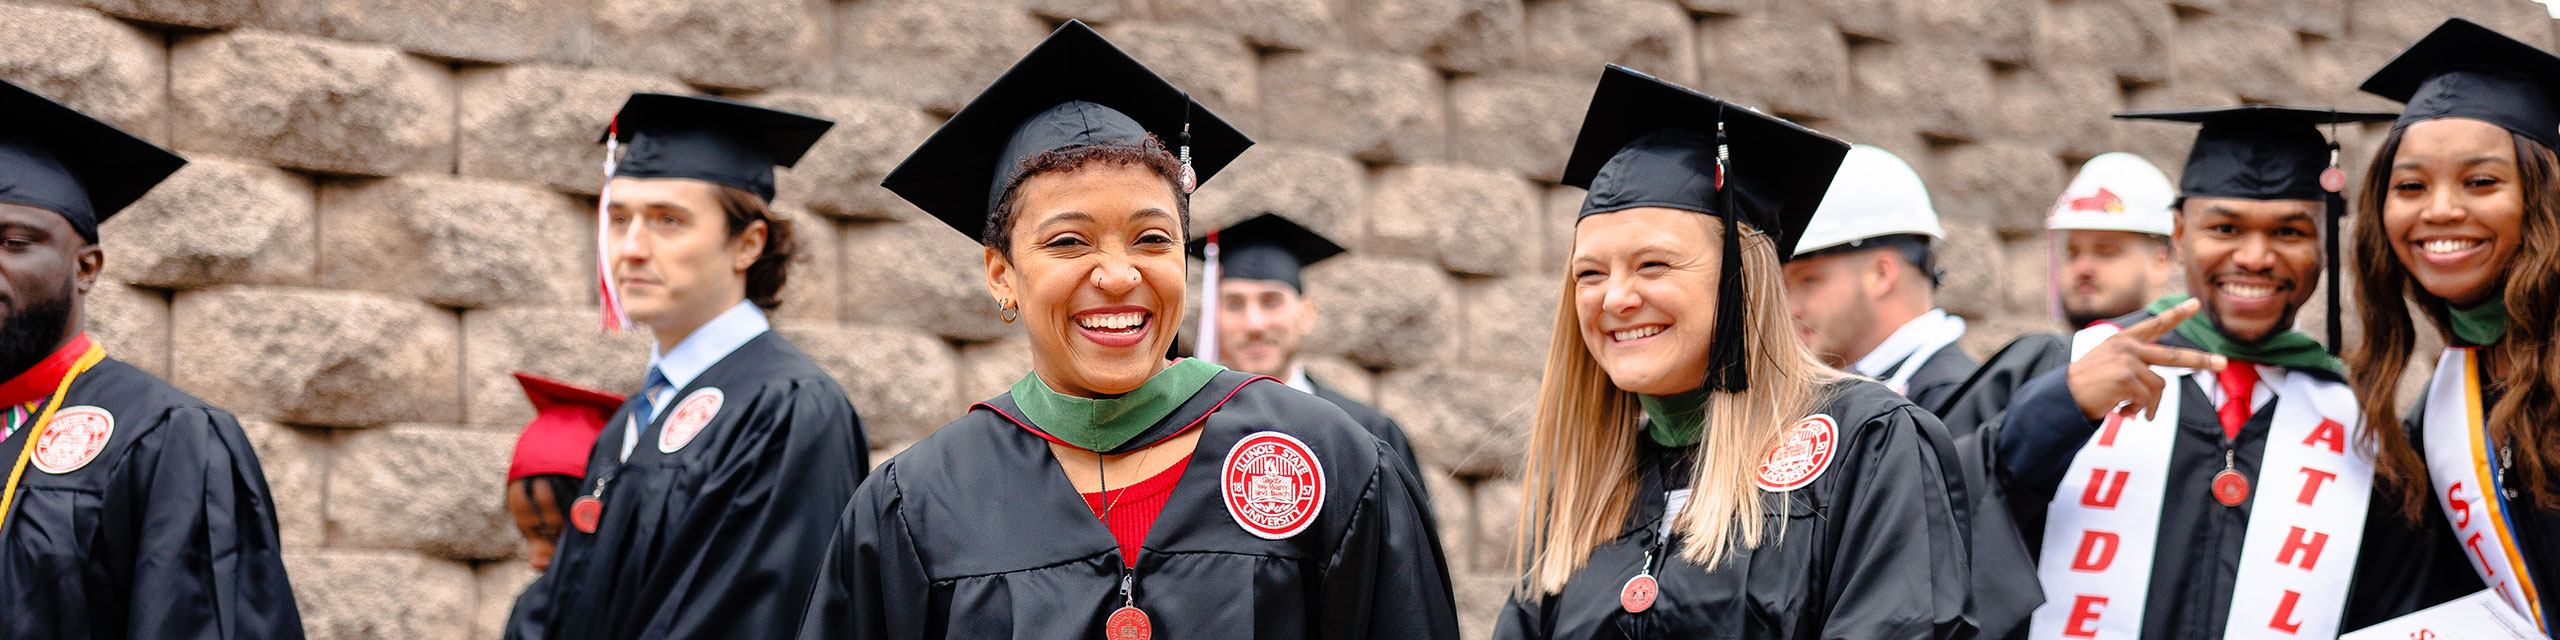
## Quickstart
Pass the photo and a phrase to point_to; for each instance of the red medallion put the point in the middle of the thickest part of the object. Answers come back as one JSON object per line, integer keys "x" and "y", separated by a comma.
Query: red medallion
{"x": 688, "y": 419}
{"x": 1272, "y": 484}
{"x": 584, "y": 512}
{"x": 74, "y": 438}
{"x": 1128, "y": 624}
{"x": 2229, "y": 488}
{"x": 1801, "y": 456}
{"x": 2333, "y": 179}
{"x": 1639, "y": 594}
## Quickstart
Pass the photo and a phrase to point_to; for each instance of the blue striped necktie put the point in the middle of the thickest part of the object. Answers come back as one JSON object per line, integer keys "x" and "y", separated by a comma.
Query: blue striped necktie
{"x": 649, "y": 391}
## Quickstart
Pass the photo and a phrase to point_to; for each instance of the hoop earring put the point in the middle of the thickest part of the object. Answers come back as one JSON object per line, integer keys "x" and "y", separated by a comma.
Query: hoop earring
{"x": 1006, "y": 311}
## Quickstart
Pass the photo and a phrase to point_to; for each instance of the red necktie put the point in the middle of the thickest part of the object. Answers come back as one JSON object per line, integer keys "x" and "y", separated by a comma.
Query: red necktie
{"x": 2239, "y": 380}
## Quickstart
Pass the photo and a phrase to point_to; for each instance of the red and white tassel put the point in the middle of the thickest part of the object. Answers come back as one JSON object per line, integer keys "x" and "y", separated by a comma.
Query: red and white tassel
{"x": 608, "y": 295}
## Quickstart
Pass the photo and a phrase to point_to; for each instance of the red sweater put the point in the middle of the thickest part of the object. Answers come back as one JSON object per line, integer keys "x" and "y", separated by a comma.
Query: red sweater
{"x": 1138, "y": 506}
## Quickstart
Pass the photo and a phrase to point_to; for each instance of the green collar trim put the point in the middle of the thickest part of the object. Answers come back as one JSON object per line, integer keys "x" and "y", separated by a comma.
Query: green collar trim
{"x": 2483, "y": 325}
{"x": 1676, "y": 420}
{"x": 1103, "y": 424}
{"x": 2292, "y": 349}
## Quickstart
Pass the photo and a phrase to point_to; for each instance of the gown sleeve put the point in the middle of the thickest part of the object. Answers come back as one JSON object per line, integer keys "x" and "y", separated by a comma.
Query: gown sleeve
{"x": 1522, "y": 619}
{"x": 1899, "y": 570}
{"x": 1387, "y": 579}
{"x": 872, "y": 585}
{"x": 783, "y": 487}
{"x": 205, "y": 558}
{"x": 2039, "y": 436}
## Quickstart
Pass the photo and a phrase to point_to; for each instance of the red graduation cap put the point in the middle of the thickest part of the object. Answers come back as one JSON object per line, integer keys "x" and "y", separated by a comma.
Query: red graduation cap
{"x": 563, "y": 431}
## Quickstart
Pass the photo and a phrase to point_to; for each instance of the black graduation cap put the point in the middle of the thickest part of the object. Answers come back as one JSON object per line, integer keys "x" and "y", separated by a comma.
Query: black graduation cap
{"x": 2258, "y": 152}
{"x": 1075, "y": 89}
{"x": 1649, "y": 143}
{"x": 53, "y": 157}
{"x": 2268, "y": 152}
{"x": 1267, "y": 247}
{"x": 710, "y": 139}
{"x": 2464, "y": 70}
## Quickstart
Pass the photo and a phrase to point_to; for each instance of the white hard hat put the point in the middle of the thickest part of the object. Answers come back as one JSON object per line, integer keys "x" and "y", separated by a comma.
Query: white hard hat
{"x": 2115, "y": 192}
{"x": 1875, "y": 194}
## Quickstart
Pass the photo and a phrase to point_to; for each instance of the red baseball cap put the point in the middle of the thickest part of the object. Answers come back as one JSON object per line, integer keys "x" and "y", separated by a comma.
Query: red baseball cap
{"x": 565, "y": 423}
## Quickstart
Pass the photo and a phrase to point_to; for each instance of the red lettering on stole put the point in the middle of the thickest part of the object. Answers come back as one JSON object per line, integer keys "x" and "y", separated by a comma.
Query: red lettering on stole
{"x": 2084, "y": 617}
{"x": 2303, "y": 542}
{"x": 2284, "y": 614}
{"x": 2097, "y": 550}
{"x": 2311, "y": 481}
{"x": 2473, "y": 542}
{"x": 2102, "y": 494}
{"x": 2461, "y": 507}
{"x": 2331, "y": 433}
{"x": 2107, "y": 433}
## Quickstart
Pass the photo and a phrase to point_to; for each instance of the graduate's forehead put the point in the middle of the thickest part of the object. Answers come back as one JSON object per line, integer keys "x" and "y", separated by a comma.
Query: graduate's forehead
{"x": 1639, "y": 230}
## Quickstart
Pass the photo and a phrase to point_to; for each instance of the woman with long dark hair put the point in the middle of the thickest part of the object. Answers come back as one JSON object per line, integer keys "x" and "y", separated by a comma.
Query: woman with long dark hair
{"x": 2465, "y": 190}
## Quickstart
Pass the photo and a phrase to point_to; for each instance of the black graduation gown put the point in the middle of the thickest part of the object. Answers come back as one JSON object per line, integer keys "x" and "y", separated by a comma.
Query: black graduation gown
{"x": 533, "y": 604}
{"x": 717, "y": 539}
{"x": 2199, "y": 538}
{"x": 1984, "y": 395}
{"x": 975, "y": 532}
{"x": 170, "y": 532}
{"x": 2439, "y": 566}
{"x": 1872, "y": 549}
{"x": 1377, "y": 423}
{"x": 1934, "y": 385}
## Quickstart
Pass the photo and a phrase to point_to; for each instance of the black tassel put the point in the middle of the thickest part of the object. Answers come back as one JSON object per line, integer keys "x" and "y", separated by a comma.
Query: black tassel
{"x": 2337, "y": 211}
{"x": 1726, "y": 355}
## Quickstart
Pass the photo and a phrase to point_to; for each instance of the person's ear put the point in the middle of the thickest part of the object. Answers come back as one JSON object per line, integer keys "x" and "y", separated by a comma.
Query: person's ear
{"x": 999, "y": 277}
{"x": 1881, "y": 273}
{"x": 747, "y": 247}
{"x": 86, "y": 264}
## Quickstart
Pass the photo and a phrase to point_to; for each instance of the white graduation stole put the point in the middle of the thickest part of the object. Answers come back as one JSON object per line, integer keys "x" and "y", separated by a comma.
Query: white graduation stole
{"x": 2465, "y": 469}
{"x": 2306, "y": 519}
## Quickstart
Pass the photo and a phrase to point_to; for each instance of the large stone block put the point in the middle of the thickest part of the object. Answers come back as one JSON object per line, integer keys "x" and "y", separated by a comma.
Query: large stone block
{"x": 1508, "y": 322}
{"x": 1314, "y": 188}
{"x": 920, "y": 275}
{"x": 1277, "y": 24}
{"x": 2257, "y": 60}
{"x": 215, "y": 222}
{"x": 840, "y": 176}
{"x": 2127, "y": 39}
{"x": 1492, "y": 520}
{"x": 2399, "y": 23}
{"x": 2028, "y": 275}
{"x": 1473, "y": 423}
{"x": 1787, "y": 66}
{"x": 563, "y": 344}
{"x": 472, "y": 30}
{"x": 934, "y": 55}
{"x": 1936, "y": 89}
{"x": 296, "y": 463}
{"x": 311, "y": 104}
{"x": 2055, "y": 105}
{"x": 2323, "y": 18}
{"x": 1215, "y": 67}
{"x": 454, "y": 242}
{"x": 500, "y": 583}
{"x": 308, "y": 357}
{"x": 1414, "y": 211}
{"x": 1561, "y": 209}
{"x": 1523, "y": 124}
{"x": 1977, "y": 279}
{"x": 1473, "y": 36}
{"x": 1997, "y": 186}
{"x": 104, "y": 68}
{"x": 542, "y": 124}
{"x": 1865, "y": 19}
{"x": 381, "y": 595}
{"x": 1340, "y": 375}
{"x": 814, "y": 292}
{"x": 132, "y": 323}
{"x": 732, "y": 44}
{"x": 438, "y": 490}
{"x": 1995, "y": 29}
{"x": 189, "y": 14}
{"x": 900, "y": 380}
{"x": 1376, "y": 108}
{"x": 1383, "y": 313}
{"x": 1481, "y": 594}
{"x": 1576, "y": 37}
{"x": 2333, "y": 69}
{"x": 989, "y": 369}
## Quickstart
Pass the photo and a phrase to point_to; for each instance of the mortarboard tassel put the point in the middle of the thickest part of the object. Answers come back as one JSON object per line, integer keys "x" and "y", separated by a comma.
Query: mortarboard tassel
{"x": 1726, "y": 354}
{"x": 608, "y": 296}
{"x": 1206, "y": 345}
{"x": 1190, "y": 180}
{"x": 2334, "y": 180}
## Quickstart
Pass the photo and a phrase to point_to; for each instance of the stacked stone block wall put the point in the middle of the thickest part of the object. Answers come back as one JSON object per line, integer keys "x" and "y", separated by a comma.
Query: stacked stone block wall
{"x": 390, "y": 202}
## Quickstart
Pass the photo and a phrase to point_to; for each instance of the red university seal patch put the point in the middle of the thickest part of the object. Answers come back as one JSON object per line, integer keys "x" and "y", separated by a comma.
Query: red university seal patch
{"x": 1801, "y": 455}
{"x": 1272, "y": 484}
{"x": 74, "y": 438}
{"x": 689, "y": 418}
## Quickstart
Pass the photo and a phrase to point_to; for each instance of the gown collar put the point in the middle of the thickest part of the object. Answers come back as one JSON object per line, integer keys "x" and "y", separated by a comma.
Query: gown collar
{"x": 1104, "y": 425}
{"x": 708, "y": 345}
{"x": 38, "y": 381}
